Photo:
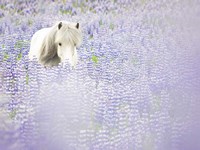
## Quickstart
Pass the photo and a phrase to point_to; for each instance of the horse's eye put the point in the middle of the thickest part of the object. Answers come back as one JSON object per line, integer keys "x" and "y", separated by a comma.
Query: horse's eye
{"x": 59, "y": 44}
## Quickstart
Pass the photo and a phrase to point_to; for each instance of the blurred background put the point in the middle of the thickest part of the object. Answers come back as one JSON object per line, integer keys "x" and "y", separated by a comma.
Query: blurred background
{"x": 136, "y": 85}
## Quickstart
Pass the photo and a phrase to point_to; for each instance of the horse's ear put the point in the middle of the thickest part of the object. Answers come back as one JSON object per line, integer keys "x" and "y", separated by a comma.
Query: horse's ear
{"x": 59, "y": 25}
{"x": 77, "y": 25}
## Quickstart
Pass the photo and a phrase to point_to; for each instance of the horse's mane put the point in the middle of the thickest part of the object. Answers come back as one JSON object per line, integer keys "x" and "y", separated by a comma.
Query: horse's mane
{"x": 48, "y": 55}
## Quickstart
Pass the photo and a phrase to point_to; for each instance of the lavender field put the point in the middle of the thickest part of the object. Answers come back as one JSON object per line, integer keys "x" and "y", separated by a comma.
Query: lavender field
{"x": 136, "y": 85}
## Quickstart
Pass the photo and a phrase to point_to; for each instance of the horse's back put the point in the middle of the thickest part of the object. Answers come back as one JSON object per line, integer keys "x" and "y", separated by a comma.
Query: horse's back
{"x": 36, "y": 42}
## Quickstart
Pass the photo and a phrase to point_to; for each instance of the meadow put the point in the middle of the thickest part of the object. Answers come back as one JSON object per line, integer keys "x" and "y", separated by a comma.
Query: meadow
{"x": 135, "y": 87}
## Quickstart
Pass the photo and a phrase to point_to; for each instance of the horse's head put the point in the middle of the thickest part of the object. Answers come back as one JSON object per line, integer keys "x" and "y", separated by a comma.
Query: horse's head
{"x": 67, "y": 38}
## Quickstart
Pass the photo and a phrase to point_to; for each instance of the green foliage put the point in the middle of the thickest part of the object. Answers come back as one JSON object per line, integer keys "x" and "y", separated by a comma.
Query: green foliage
{"x": 19, "y": 57}
{"x": 112, "y": 26}
{"x": 6, "y": 56}
{"x": 95, "y": 59}
{"x": 100, "y": 22}
{"x": 19, "y": 44}
{"x": 13, "y": 113}
{"x": 30, "y": 22}
{"x": 66, "y": 12}
{"x": 75, "y": 4}
{"x": 91, "y": 36}
{"x": 134, "y": 60}
{"x": 27, "y": 78}
{"x": 64, "y": 1}
{"x": 2, "y": 7}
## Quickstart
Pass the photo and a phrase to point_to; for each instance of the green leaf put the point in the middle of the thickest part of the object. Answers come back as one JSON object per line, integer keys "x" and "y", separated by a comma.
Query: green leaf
{"x": 111, "y": 26}
{"x": 143, "y": 1}
{"x": 64, "y": 1}
{"x": 95, "y": 59}
{"x": 27, "y": 78}
{"x": 30, "y": 22}
{"x": 100, "y": 22}
{"x": 91, "y": 49}
{"x": 75, "y": 4}
{"x": 13, "y": 113}
{"x": 91, "y": 37}
{"x": 19, "y": 44}
{"x": 6, "y": 56}
{"x": 19, "y": 56}
{"x": 2, "y": 6}
{"x": 66, "y": 12}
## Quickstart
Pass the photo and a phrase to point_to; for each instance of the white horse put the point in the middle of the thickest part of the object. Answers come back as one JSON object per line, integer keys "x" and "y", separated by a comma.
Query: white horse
{"x": 56, "y": 44}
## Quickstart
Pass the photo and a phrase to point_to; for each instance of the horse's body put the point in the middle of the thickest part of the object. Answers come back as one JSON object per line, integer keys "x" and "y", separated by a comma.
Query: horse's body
{"x": 56, "y": 44}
